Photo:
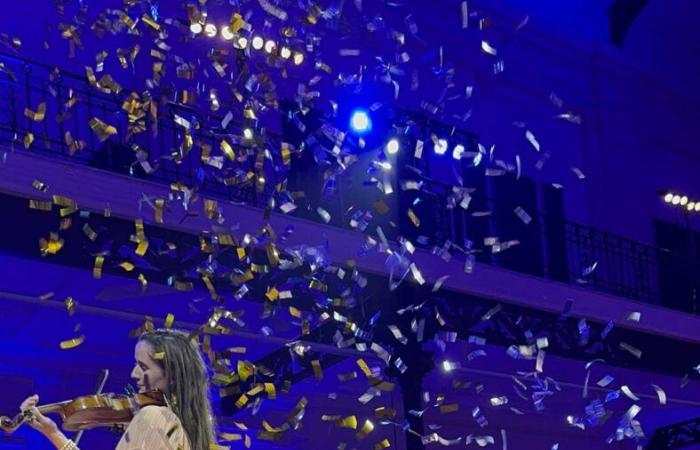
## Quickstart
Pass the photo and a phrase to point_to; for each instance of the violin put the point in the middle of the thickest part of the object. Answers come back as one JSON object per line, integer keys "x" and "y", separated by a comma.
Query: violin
{"x": 91, "y": 411}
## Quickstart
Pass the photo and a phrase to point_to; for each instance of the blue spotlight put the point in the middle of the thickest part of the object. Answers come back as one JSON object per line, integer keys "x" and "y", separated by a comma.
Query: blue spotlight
{"x": 360, "y": 122}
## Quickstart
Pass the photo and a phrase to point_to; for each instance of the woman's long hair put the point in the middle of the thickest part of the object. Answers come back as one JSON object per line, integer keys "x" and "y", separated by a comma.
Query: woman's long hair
{"x": 186, "y": 373}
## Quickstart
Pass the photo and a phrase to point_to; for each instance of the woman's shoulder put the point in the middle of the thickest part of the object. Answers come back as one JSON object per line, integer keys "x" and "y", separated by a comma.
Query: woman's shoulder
{"x": 156, "y": 415}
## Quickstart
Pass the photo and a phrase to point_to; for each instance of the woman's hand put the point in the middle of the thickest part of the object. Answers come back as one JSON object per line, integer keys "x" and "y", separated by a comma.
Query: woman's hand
{"x": 37, "y": 420}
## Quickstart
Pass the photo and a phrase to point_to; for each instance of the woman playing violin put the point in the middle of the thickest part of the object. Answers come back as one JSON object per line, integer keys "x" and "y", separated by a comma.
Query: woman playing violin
{"x": 166, "y": 360}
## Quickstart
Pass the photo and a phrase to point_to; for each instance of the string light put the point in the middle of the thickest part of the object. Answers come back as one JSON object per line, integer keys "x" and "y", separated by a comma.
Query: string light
{"x": 298, "y": 58}
{"x": 458, "y": 152}
{"x": 242, "y": 42}
{"x": 226, "y": 33}
{"x": 196, "y": 28}
{"x": 258, "y": 42}
{"x": 270, "y": 46}
{"x": 690, "y": 205}
{"x": 392, "y": 147}
{"x": 210, "y": 30}
{"x": 285, "y": 53}
{"x": 440, "y": 147}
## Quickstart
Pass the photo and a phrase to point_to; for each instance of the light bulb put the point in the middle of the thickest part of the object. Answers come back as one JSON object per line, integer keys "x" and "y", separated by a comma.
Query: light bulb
{"x": 226, "y": 33}
{"x": 392, "y": 147}
{"x": 210, "y": 30}
{"x": 258, "y": 42}
{"x": 440, "y": 147}
{"x": 298, "y": 58}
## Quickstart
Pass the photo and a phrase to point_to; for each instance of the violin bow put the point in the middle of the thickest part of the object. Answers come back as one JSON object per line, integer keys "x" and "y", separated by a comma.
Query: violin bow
{"x": 104, "y": 374}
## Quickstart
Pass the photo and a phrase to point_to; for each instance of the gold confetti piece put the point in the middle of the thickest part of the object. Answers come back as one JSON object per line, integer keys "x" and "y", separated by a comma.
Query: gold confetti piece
{"x": 40, "y": 205}
{"x": 169, "y": 320}
{"x": 228, "y": 391}
{"x": 183, "y": 286}
{"x": 102, "y": 130}
{"x": 159, "y": 356}
{"x": 64, "y": 201}
{"x": 150, "y": 22}
{"x": 73, "y": 145}
{"x": 227, "y": 150}
{"x": 318, "y": 285}
{"x": 70, "y": 306}
{"x": 347, "y": 376}
{"x": 347, "y": 422}
{"x": 159, "y": 210}
{"x": 89, "y": 232}
{"x": 318, "y": 372}
{"x": 364, "y": 367}
{"x": 37, "y": 116}
{"x": 381, "y": 206}
{"x": 65, "y": 223}
{"x": 39, "y": 186}
{"x": 367, "y": 428}
{"x": 242, "y": 401}
{"x": 446, "y": 409}
{"x": 245, "y": 369}
{"x": 414, "y": 219}
{"x": 28, "y": 140}
{"x": 127, "y": 266}
{"x": 295, "y": 312}
{"x": 384, "y": 443}
{"x": 231, "y": 436}
{"x": 271, "y": 391}
{"x": 272, "y": 294}
{"x": 46, "y": 296}
{"x": 97, "y": 268}
{"x": 385, "y": 413}
{"x": 72, "y": 343}
{"x": 144, "y": 282}
{"x": 52, "y": 246}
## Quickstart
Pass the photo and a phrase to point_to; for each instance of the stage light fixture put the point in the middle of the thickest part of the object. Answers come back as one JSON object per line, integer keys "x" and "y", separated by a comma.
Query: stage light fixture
{"x": 258, "y": 42}
{"x": 270, "y": 46}
{"x": 196, "y": 28}
{"x": 676, "y": 199}
{"x": 668, "y": 197}
{"x": 360, "y": 121}
{"x": 458, "y": 152}
{"x": 392, "y": 147}
{"x": 285, "y": 53}
{"x": 210, "y": 30}
{"x": 440, "y": 146}
{"x": 684, "y": 200}
{"x": 298, "y": 58}
{"x": 226, "y": 33}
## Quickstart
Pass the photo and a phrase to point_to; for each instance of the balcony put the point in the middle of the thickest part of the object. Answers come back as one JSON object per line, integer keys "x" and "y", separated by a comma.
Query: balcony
{"x": 146, "y": 156}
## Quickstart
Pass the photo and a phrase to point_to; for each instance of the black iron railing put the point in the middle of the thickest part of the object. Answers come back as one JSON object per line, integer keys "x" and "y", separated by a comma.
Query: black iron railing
{"x": 549, "y": 247}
